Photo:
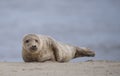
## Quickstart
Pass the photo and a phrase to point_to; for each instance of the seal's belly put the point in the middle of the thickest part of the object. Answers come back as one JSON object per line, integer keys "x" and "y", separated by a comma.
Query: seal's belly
{"x": 66, "y": 52}
{"x": 45, "y": 55}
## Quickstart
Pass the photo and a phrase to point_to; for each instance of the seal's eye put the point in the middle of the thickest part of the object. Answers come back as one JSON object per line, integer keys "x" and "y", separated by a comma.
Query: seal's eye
{"x": 26, "y": 41}
{"x": 36, "y": 40}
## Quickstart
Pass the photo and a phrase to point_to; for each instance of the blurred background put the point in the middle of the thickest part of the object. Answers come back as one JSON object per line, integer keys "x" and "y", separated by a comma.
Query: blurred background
{"x": 86, "y": 23}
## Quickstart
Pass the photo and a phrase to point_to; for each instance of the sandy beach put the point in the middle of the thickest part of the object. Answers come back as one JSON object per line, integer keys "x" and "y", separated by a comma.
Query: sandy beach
{"x": 90, "y": 68}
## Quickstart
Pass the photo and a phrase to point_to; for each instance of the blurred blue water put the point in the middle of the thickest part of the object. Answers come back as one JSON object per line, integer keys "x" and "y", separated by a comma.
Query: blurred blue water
{"x": 93, "y": 24}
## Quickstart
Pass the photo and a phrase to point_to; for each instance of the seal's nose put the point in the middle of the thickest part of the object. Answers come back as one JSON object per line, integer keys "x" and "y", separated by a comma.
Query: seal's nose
{"x": 34, "y": 46}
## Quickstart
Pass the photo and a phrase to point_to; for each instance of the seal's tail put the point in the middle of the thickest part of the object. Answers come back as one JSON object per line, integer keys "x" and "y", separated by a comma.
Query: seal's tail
{"x": 82, "y": 52}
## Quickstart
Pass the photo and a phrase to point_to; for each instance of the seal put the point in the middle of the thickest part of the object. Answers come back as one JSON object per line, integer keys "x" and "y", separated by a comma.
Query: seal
{"x": 41, "y": 48}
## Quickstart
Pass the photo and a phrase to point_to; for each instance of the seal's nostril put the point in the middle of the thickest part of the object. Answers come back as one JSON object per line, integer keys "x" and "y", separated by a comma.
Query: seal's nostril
{"x": 34, "y": 46}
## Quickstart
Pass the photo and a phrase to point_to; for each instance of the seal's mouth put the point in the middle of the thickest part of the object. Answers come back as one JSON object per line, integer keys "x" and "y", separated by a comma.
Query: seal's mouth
{"x": 33, "y": 48}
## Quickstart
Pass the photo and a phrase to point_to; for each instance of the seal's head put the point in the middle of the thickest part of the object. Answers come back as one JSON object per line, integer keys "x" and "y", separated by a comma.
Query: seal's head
{"x": 31, "y": 43}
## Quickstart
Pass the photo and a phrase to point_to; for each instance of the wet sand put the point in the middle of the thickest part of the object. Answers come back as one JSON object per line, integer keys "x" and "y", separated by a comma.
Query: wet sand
{"x": 90, "y": 68}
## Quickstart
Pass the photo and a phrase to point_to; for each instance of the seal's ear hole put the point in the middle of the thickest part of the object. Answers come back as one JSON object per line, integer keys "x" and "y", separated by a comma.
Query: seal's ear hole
{"x": 27, "y": 41}
{"x": 36, "y": 40}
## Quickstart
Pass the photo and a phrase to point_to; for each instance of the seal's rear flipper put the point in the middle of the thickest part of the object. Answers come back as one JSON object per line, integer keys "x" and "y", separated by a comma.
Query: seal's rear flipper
{"x": 82, "y": 52}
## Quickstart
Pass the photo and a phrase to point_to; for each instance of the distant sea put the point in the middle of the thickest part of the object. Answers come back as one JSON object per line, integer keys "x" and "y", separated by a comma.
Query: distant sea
{"x": 93, "y": 24}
